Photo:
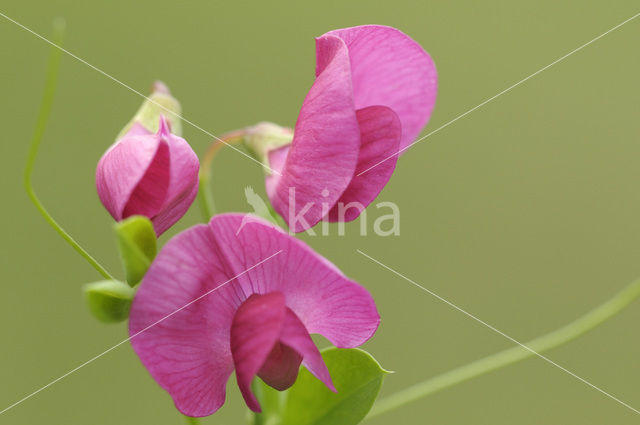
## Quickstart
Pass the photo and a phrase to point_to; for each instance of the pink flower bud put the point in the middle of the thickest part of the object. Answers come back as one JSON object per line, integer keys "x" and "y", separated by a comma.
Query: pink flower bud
{"x": 154, "y": 175}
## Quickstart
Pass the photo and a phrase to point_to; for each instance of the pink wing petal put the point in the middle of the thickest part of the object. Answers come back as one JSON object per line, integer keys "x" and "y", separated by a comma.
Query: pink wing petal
{"x": 120, "y": 170}
{"x": 150, "y": 193}
{"x": 254, "y": 332}
{"x": 324, "y": 151}
{"x": 389, "y": 68}
{"x": 324, "y": 300}
{"x": 380, "y": 133}
{"x": 182, "y": 178}
{"x": 186, "y": 349}
{"x": 295, "y": 335}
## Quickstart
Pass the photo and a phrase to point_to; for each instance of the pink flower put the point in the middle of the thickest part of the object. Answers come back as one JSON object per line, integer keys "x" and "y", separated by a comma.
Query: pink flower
{"x": 374, "y": 91}
{"x": 258, "y": 296}
{"x": 155, "y": 175}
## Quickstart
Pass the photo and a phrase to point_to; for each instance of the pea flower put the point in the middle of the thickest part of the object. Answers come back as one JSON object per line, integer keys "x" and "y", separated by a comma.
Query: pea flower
{"x": 213, "y": 301}
{"x": 154, "y": 175}
{"x": 374, "y": 91}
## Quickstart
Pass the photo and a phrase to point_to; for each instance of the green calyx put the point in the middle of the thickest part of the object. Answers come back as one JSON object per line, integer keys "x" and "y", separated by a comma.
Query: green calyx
{"x": 265, "y": 137}
{"x": 109, "y": 300}
{"x": 137, "y": 243}
{"x": 160, "y": 102}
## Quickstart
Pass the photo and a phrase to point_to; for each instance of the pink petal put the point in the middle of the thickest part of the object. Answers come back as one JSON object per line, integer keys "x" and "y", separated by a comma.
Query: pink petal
{"x": 254, "y": 332}
{"x": 295, "y": 335}
{"x": 149, "y": 194}
{"x": 324, "y": 151}
{"x": 186, "y": 349}
{"x": 121, "y": 168}
{"x": 380, "y": 132}
{"x": 324, "y": 300}
{"x": 280, "y": 369}
{"x": 389, "y": 68}
{"x": 183, "y": 180}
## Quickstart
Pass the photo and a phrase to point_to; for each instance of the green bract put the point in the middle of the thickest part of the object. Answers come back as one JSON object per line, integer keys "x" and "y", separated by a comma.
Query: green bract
{"x": 356, "y": 375}
{"x": 137, "y": 243}
{"x": 109, "y": 300}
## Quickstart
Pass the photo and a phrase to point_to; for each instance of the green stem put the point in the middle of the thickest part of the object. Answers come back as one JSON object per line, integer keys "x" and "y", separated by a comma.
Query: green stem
{"x": 511, "y": 355}
{"x": 191, "y": 420}
{"x": 41, "y": 124}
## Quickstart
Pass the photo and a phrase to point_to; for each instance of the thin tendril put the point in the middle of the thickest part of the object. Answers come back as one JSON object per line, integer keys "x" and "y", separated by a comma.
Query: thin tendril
{"x": 512, "y": 355}
{"x": 41, "y": 123}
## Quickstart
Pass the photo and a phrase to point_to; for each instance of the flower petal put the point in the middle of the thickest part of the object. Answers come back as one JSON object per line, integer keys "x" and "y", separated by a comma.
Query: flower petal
{"x": 254, "y": 332}
{"x": 150, "y": 193}
{"x": 295, "y": 335}
{"x": 389, "y": 68}
{"x": 180, "y": 334}
{"x": 182, "y": 314}
{"x": 324, "y": 152}
{"x": 380, "y": 133}
{"x": 280, "y": 369}
{"x": 324, "y": 300}
{"x": 183, "y": 180}
{"x": 120, "y": 170}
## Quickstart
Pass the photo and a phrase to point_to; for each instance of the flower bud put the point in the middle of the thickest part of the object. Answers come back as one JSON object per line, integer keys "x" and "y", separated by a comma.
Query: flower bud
{"x": 154, "y": 175}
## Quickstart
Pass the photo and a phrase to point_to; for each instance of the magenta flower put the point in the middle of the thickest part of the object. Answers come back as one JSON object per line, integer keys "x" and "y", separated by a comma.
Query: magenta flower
{"x": 374, "y": 91}
{"x": 155, "y": 175}
{"x": 258, "y": 295}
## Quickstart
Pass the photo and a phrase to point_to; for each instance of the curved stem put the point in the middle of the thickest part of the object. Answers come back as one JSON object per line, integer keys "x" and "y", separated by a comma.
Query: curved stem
{"x": 204, "y": 191}
{"x": 41, "y": 123}
{"x": 511, "y": 355}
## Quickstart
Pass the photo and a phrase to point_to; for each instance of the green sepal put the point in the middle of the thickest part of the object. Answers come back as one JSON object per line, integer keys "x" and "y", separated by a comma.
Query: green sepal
{"x": 138, "y": 246}
{"x": 159, "y": 102}
{"x": 356, "y": 375}
{"x": 265, "y": 137}
{"x": 109, "y": 300}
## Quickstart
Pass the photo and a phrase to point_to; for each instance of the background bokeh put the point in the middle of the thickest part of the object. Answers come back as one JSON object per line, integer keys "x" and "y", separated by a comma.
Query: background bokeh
{"x": 526, "y": 212}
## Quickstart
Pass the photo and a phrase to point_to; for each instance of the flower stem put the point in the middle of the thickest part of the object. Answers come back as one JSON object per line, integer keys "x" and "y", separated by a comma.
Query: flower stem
{"x": 41, "y": 124}
{"x": 191, "y": 420}
{"x": 204, "y": 191}
{"x": 511, "y": 355}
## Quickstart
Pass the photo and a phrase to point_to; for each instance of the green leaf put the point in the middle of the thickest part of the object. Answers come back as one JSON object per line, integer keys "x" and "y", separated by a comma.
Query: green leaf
{"x": 137, "y": 242}
{"x": 109, "y": 300}
{"x": 356, "y": 375}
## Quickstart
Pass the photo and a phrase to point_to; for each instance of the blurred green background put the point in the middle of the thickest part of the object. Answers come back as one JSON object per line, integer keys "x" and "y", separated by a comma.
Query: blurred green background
{"x": 526, "y": 212}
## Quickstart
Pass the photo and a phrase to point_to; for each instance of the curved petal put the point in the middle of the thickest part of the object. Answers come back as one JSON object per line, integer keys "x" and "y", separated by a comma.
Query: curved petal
{"x": 150, "y": 193}
{"x": 295, "y": 335}
{"x": 182, "y": 186}
{"x": 254, "y": 332}
{"x": 179, "y": 322}
{"x": 120, "y": 170}
{"x": 389, "y": 68}
{"x": 281, "y": 368}
{"x": 380, "y": 132}
{"x": 323, "y": 155}
{"x": 324, "y": 300}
